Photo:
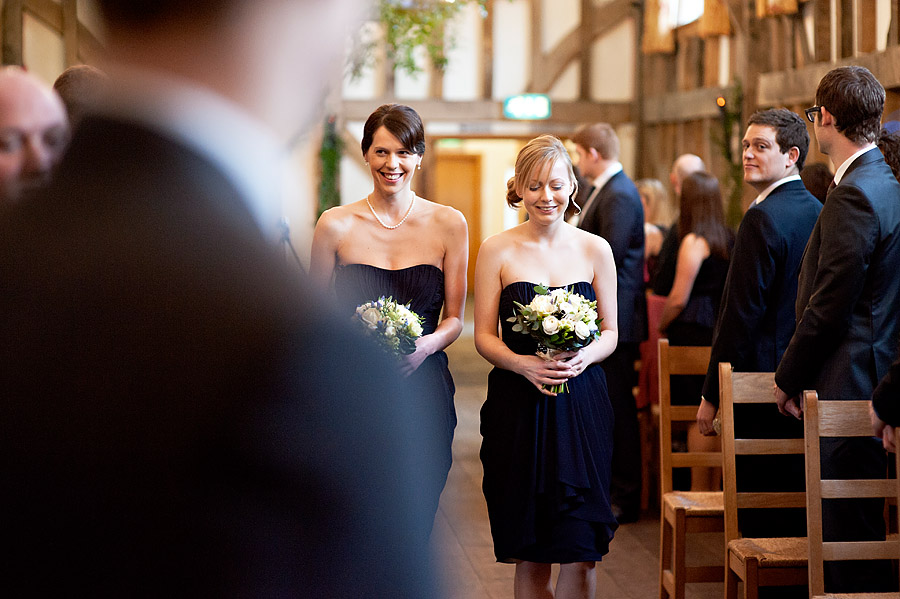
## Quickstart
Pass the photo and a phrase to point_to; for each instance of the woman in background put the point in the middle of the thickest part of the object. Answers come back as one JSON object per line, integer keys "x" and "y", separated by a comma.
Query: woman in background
{"x": 546, "y": 457}
{"x": 657, "y": 220}
{"x": 395, "y": 243}
{"x": 691, "y": 308}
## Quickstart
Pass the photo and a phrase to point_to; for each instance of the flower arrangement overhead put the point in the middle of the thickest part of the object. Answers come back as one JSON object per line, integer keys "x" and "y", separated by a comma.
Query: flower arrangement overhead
{"x": 409, "y": 25}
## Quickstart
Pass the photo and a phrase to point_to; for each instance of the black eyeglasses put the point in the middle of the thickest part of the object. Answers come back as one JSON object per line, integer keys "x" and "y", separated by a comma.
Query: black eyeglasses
{"x": 811, "y": 113}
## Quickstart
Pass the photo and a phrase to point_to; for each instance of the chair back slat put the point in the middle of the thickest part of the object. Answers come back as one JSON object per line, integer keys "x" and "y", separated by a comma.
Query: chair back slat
{"x": 753, "y": 387}
{"x": 771, "y": 499}
{"x": 839, "y": 418}
{"x": 678, "y": 360}
{"x": 768, "y": 446}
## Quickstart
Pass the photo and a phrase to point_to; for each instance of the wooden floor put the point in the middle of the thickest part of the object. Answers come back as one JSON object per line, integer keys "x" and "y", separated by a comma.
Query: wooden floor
{"x": 462, "y": 536}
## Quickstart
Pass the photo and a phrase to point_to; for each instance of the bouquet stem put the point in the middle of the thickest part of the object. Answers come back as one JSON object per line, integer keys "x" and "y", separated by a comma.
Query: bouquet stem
{"x": 549, "y": 353}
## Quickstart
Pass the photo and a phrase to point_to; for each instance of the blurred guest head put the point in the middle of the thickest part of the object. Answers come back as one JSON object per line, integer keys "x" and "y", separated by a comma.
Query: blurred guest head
{"x": 33, "y": 132}
{"x": 702, "y": 213}
{"x": 683, "y": 166}
{"x": 817, "y": 177}
{"x": 889, "y": 144}
{"x": 655, "y": 199}
{"x": 774, "y": 147}
{"x": 597, "y": 146}
{"x": 80, "y": 88}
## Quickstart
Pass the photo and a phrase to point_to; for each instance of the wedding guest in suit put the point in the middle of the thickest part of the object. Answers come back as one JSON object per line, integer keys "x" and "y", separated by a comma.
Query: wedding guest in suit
{"x": 684, "y": 165}
{"x": 180, "y": 416}
{"x": 613, "y": 211}
{"x": 34, "y": 133}
{"x": 848, "y": 296}
{"x": 691, "y": 308}
{"x": 81, "y": 87}
{"x": 756, "y": 319}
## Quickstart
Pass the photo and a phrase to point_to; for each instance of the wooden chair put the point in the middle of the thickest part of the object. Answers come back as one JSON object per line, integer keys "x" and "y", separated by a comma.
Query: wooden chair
{"x": 683, "y": 512}
{"x": 834, "y": 418}
{"x": 757, "y": 562}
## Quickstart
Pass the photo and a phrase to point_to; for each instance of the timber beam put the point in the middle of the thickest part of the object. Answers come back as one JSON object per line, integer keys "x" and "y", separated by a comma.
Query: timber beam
{"x": 679, "y": 107}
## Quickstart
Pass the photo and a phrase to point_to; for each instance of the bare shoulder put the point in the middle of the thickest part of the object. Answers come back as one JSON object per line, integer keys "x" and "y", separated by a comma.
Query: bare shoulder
{"x": 592, "y": 244}
{"x": 339, "y": 218}
{"x": 499, "y": 243}
{"x": 446, "y": 216}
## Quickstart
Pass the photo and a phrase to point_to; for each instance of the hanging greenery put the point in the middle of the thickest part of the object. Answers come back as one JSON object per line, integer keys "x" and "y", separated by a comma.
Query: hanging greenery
{"x": 730, "y": 119}
{"x": 330, "y": 166}
{"x": 409, "y": 25}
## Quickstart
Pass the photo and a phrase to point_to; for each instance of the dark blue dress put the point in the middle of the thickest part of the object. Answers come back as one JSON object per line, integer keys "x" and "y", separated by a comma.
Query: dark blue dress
{"x": 423, "y": 287}
{"x": 546, "y": 459}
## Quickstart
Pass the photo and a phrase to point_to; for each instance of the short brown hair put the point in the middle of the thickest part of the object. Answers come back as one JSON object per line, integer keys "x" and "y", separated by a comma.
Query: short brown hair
{"x": 790, "y": 130}
{"x": 856, "y": 99}
{"x": 600, "y": 136}
{"x": 401, "y": 121}
{"x": 538, "y": 154}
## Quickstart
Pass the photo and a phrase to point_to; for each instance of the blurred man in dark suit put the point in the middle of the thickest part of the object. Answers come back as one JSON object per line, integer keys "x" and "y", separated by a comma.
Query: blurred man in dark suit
{"x": 179, "y": 416}
{"x": 756, "y": 318}
{"x": 848, "y": 297}
{"x": 33, "y": 133}
{"x": 613, "y": 211}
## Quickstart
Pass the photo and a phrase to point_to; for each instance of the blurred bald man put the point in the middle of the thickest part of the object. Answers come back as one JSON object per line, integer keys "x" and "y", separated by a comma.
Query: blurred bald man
{"x": 33, "y": 132}
{"x": 180, "y": 416}
{"x": 684, "y": 165}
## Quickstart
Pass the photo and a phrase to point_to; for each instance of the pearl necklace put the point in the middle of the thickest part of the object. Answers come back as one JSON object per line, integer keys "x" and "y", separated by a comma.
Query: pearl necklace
{"x": 402, "y": 220}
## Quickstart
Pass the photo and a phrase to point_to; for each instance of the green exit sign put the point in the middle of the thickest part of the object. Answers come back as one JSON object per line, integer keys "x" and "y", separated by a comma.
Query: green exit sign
{"x": 527, "y": 107}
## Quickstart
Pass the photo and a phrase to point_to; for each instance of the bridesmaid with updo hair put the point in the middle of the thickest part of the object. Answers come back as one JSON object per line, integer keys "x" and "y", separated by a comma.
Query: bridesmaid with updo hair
{"x": 546, "y": 455}
{"x": 395, "y": 243}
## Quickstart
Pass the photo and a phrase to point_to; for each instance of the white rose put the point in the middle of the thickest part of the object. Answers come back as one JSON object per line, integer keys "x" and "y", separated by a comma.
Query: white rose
{"x": 415, "y": 329}
{"x": 371, "y": 317}
{"x": 543, "y": 304}
{"x": 390, "y": 331}
{"x": 558, "y": 294}
{"x": 582, "y": 330}
{"x": 567, "y": 323}
{"x": 550, "y": 325}
{"x": 566, "y": 308}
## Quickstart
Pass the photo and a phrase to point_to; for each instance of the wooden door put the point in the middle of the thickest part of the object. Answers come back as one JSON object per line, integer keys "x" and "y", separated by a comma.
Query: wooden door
{"x": 457, "y": 183}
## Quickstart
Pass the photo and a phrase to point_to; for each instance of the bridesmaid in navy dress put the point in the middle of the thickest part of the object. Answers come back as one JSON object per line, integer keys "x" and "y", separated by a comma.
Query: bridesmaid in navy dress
{"x": 394, "y": 243}
{"x": 546, "y": 457}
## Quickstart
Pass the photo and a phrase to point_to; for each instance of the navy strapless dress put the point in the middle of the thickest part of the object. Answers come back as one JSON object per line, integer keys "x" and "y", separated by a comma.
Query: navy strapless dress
{"x": 423, "y": 287}
{"x": 546, "y": 459}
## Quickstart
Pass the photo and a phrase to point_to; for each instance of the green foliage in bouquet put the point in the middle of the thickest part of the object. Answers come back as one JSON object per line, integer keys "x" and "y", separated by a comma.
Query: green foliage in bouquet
{"x": 558, "y": 319}
{"x": 390, "y": 324}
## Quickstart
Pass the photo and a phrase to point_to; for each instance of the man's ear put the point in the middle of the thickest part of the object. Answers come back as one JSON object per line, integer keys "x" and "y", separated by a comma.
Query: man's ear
{"x": 825, "y": 118}
{"x": 793, "y": 155}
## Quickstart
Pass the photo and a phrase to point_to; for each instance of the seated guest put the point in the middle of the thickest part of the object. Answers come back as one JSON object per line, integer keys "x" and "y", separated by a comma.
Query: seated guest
{"x": 692, "y": 306}
{"x": 35, "y": 132}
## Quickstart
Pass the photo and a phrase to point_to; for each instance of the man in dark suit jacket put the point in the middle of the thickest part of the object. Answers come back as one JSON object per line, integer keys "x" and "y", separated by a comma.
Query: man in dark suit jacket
{"x": 179, "y": 416}
{"x": 756, "y": 319}
{"x": 613, "y": 211}
{"x": 848, "y": 297}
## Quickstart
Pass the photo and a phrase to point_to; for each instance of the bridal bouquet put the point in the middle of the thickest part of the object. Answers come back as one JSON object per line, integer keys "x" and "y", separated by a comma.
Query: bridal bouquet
{"x": 391, "y": 324}
{"x": 559, "y": 321}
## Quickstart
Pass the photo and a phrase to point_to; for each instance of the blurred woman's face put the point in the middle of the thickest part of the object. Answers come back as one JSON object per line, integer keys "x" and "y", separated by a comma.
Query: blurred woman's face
{"x": 392, "y": 164}
{"x": 546, "y": 194}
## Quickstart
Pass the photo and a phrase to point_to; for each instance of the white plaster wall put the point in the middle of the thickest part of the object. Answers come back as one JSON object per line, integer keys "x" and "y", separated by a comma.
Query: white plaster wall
{"x": 559, "y": 18}
{"x": 43, "y": 51}
{"x": 627, "y": 134}
{"x": 882, "y": 23}
{"x": 613, "y": 64}
{"x": 462, "y": 78}
{"x": 368, "y": 84}
{"x": 414, "y": 87}
{"x": 568, "y": 84}
{"x": 512, "y": 47}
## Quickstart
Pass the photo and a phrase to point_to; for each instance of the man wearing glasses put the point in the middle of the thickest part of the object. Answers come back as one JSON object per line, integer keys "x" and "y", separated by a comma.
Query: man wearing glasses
{"x": 848, "y": 297}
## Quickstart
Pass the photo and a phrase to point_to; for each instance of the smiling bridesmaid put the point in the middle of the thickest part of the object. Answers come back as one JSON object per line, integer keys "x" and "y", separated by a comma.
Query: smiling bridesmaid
{"x": 395, "y": 243}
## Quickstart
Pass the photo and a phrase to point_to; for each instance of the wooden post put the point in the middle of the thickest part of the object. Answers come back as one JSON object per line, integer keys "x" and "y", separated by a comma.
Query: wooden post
{"x": 822, "y": 30}
{"x": 12, "y": 32}
{"x": 584, "y": 30}
{"x": 487, "y": 47}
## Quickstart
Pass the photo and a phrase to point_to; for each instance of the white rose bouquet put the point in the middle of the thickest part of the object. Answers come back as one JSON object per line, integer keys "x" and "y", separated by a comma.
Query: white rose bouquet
{"x": 559, "y": 321}
{"x": 391, "y": 324}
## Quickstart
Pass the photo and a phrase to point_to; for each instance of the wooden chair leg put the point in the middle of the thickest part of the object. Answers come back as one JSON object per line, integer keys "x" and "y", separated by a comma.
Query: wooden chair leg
{"x": 665, "y": 554}
{"x": 679, "y": 565}
{"x": 751, "y": 580}
{"x": 731, "y": 580}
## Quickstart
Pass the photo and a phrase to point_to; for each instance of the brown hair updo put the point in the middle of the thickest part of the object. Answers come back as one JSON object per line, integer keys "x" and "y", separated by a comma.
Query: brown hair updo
{"x": 537, "y": 154}
{"x": 401, "y": 121}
